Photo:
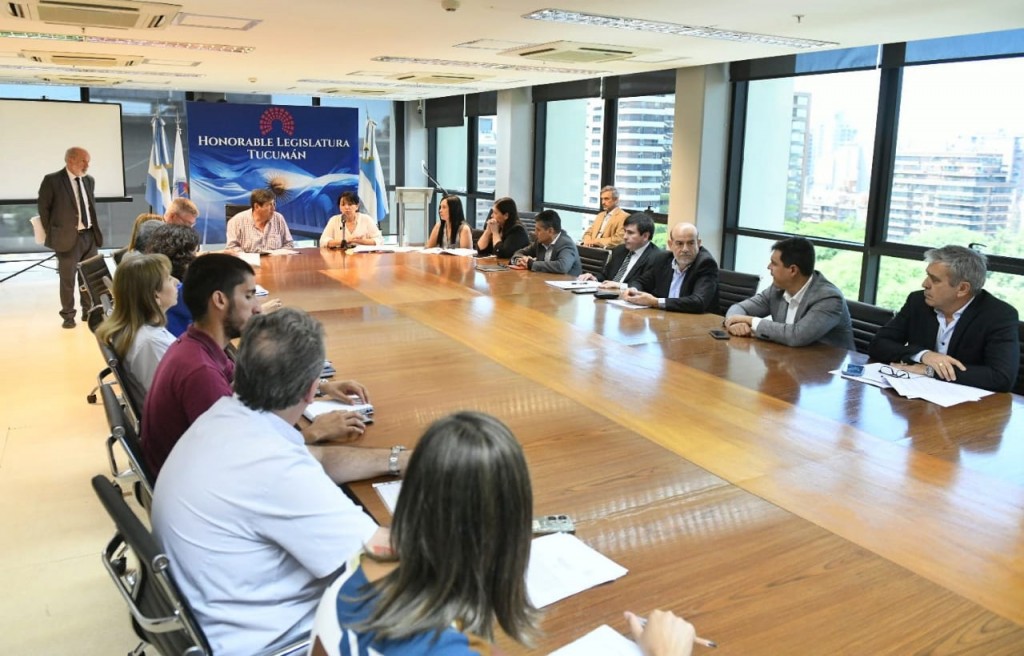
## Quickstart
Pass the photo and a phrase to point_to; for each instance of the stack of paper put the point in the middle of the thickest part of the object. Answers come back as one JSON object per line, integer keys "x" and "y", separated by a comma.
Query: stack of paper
{"x": 916, "y": 386}
{"x": 317, "y": 408}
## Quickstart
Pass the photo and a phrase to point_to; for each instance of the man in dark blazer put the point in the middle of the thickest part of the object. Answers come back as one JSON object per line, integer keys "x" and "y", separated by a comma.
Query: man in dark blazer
{"x": 683, "y": 279}
{"x": 553, "y": 251}
{"x": 67, "y": 211}
{"x": 954, "y": 330}
{"x": 799, "y": 308}
{"x": 621, "y": 272}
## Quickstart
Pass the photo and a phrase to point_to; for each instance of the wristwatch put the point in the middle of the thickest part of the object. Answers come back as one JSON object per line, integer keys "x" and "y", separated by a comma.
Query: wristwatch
{"x": 929, "y": 371}
{"x": 393, "y": 467}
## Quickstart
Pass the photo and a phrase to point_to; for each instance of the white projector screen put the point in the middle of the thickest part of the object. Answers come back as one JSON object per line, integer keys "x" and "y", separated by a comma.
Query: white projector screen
{"x": 35, "y": 133}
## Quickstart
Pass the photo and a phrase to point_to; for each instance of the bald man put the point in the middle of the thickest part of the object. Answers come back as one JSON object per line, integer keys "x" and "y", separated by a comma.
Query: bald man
{"x": 182, "y": 211}
{"x": 67, "y": 210}
{"x": 682, "y": 279}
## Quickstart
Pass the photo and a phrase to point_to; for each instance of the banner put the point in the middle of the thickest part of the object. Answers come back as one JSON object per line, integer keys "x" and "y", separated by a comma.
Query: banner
{"x": 306, "y": 156}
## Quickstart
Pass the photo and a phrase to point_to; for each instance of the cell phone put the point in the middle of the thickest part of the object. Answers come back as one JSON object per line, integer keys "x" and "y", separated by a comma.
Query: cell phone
{"x": 584, "y": 291}
{"x": 854, "y": 369}
{"x": 718, "y": 334}
{"x": 606, "y": 293}
{"x": 553, "y": 524}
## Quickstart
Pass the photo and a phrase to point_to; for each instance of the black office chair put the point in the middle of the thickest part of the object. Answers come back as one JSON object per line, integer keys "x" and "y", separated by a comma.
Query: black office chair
{"x": 477, "y": 233}
{"x": 867, "y": 319}
{"x": 1019, "y": 387}
{"x": 95, "y": 279}
{"x": 594, "y": 259}
{"x": 161, "y": 616}
{"x": 136, "y": 475}
{"x": 133, "y": 395}
{"x": 529, "y": 221}
{"x": 734, "y": 287}
{"x": 231, "y": 209}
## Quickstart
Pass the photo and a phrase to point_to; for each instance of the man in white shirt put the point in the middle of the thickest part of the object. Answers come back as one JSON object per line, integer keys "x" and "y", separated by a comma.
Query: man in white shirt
{"x": 251, "y": 517}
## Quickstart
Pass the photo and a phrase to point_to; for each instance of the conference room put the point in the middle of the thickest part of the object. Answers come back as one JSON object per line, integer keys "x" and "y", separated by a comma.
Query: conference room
{"x": 778, "y": 507}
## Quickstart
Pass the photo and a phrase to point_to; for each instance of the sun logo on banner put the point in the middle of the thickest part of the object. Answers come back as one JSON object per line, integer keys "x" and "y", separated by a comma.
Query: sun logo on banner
{"x": 277, "y": 115}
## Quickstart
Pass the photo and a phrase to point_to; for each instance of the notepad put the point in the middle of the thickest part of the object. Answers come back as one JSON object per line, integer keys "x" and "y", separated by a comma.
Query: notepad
{"x": 562, "y": 565}
{"x": 602, "y": 641}
{"x": 388, "y": 493}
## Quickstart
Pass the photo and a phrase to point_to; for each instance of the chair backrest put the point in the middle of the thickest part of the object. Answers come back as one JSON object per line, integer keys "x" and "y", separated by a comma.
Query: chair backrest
{"x": 130, "y": 388}
{"x": 867, "y": 319}
{"x": 477, "y": 233}
{"x": 1019, "y": 387}
{"x": 95, "y": 277}
{"x": 529, "y": 221}
{"x": 231, "y": 209}
{"x": 124, "y": 434}
{"x": 160, "y": 614}
{"x": 594, "y": 259}
{"x": 734, "y": 287}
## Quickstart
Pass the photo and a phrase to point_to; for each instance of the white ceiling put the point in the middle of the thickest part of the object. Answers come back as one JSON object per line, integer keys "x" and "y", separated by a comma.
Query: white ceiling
{"x": 307, "y": 46}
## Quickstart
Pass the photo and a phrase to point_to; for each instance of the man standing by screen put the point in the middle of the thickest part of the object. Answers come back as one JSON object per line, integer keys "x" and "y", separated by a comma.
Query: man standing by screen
{"x": 67, "y": 211}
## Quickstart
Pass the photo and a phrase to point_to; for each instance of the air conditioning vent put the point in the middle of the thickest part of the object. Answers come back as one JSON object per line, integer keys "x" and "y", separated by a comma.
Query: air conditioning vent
{"x": 117, "y": 14}
{"x": 94, "y": 60}
{"x": 569, "y": 52}
{"x": 436, "y": 78}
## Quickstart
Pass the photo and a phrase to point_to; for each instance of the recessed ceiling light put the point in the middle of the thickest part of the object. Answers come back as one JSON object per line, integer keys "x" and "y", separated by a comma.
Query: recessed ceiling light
{"x": 106, "y": 40}
{"x": 676, "y": 29}
{"x": 99, "y": 71}
{"x": 490, "y": 65}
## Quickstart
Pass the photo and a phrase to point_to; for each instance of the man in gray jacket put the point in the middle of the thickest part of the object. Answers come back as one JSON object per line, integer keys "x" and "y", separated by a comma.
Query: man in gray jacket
{"x": 552, "y": 252}
{"x": 801, "y": 307}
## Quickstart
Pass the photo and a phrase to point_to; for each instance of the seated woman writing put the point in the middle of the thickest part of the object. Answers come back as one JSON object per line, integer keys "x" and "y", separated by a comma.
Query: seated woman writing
{"x": 451, "y": 231}
{"x": 460, "y": 542}
{"x": 351, "y": 227}
{"x": 144, "y": 290}
{"x": 503, "y": 233}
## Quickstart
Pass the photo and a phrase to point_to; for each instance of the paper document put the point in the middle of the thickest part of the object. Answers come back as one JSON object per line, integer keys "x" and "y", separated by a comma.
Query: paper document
{"x": 389, "y": 493}
{"x": 282, "y": 251}
{"x": 939, "y": 392}
{"x": 252, "y": 259}
{"x": 317, "y": 408}
{"x": 602, "y": 641}
{"x": 461, "y": 252}
{"x": 561, "y": 565}
{"x": 261, "y": 290}
{"x": 626, "y": 304}
{"x": 573, "y": 284}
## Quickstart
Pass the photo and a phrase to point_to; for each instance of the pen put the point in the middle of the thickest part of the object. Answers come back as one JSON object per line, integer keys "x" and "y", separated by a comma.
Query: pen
{"x": 703, "y": 642}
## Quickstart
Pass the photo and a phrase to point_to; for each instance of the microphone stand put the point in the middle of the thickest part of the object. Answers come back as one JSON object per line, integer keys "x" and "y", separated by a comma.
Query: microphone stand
{"x": 344, "y": 238}
{"x": 437, "y": 184}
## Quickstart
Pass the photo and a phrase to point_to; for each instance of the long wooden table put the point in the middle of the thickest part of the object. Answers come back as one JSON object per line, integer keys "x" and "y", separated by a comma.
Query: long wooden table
{"x": 780, "y": 509}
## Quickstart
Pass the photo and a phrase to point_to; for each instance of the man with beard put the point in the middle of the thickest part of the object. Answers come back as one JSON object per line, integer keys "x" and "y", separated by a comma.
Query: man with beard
{"x": 220, "y": 292}
{"x": 684, "y": 279}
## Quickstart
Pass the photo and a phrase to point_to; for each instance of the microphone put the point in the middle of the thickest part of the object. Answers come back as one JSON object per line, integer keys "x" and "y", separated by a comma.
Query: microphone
{"x": 426, "y": 172}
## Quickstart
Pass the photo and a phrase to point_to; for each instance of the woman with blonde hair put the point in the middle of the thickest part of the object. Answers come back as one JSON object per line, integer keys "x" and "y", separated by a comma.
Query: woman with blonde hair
{"x": 460, "y": 543}
{"x": 136, "y": 330}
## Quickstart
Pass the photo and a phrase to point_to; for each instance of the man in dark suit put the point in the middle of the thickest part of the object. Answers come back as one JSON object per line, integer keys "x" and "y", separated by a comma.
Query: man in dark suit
{"x": 630, "y": 258}
{"x": 553, "y": 251}
{"x": 67, "y": 211}
{"x": 954, "y": 330}
{"x": 684, "y": 279}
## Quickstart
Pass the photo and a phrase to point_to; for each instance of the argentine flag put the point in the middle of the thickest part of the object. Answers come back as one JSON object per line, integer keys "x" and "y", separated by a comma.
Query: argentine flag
{"x": 372, "y": 186}
{"x": 158, "y": 184}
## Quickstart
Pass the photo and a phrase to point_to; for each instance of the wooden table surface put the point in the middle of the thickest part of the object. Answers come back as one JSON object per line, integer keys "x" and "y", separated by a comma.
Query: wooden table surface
{"x": 780, "y": 509}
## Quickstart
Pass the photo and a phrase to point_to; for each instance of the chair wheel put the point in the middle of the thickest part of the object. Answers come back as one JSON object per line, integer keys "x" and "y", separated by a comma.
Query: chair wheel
{"x": 91, "y": 399}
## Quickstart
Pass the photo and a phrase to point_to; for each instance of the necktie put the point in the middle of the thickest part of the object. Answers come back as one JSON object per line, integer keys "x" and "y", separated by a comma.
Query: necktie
{"x": 82, "y": 211}
{"x": 621, "y": 273}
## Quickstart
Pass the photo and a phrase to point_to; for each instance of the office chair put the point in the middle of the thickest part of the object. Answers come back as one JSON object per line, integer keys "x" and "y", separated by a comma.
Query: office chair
{"x": 867, "y": 319}
{"x": 161, "y": 617}
{"x": 131, "y": 392}
{"x": 594, "y": 259}
{"x": 529, "y": 221}
{"x": 734, "y": 287}
{"x": 136, "y": 475}
{"x": 95, "y": 278}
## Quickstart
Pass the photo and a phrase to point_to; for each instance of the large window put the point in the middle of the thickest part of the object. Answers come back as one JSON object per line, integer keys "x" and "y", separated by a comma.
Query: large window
{"x": 959, "y": 153}
{"x": 643, "y": 152}
{"x": 807, "y": 154}
{"x": 451, "y": 158}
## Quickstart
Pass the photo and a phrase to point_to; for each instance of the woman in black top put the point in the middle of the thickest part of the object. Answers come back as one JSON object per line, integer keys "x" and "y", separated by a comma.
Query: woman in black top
{"x": 503, "y": 233}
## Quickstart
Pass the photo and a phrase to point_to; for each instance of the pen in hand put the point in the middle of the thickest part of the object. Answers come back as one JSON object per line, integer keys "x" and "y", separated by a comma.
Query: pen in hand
{"x": 703, "y": 642}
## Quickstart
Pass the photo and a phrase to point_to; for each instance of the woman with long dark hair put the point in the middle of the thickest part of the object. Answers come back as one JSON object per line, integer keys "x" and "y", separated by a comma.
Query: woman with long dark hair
{"x": 451, "y": 231}
{"x": 503, "y": 233}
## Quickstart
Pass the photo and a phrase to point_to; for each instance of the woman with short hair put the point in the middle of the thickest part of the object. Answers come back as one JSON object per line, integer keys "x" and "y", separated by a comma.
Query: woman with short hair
{"x": 460, "y": 544}
{"x": 503, "y": 234}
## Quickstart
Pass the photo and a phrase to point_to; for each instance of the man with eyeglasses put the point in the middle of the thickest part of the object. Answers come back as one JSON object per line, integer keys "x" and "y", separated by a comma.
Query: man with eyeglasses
{"x": 260, "y": 228}
{"x": 954, "y": 330}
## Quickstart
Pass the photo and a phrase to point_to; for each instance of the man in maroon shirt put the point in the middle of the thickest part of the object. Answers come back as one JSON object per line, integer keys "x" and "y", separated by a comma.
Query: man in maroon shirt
{"x": 220, "y": 292}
